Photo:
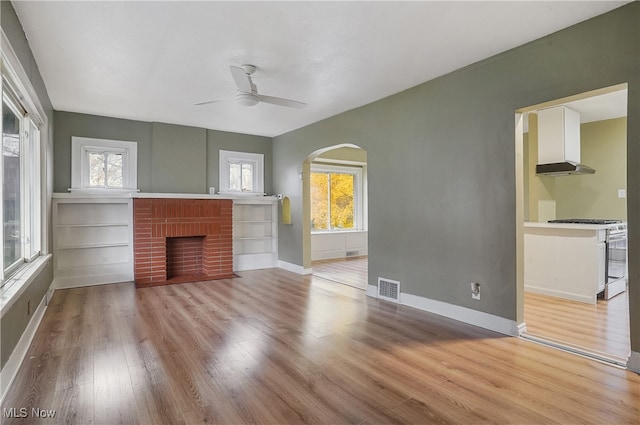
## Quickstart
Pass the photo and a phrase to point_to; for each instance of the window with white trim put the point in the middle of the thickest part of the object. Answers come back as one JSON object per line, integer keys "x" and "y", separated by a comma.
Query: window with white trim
{"x": 21, "y": 183}
{"x": 241, "y": 172}
{"x": 101, "y": 164}
{"x": 336, "y": 198}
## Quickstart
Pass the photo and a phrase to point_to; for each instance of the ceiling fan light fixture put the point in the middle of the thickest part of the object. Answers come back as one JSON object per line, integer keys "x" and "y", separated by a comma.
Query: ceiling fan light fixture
{"x": 247, "y": 99}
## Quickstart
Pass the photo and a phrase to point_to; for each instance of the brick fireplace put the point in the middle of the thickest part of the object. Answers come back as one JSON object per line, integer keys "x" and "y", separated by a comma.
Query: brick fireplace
{"x": 182, "y": 240}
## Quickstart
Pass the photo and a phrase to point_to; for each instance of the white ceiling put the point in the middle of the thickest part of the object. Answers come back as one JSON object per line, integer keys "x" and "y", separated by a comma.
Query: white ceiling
{"x": 152, "y": 61}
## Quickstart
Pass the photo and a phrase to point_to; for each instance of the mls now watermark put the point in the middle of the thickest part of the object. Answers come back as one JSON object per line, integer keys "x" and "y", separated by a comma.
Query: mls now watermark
{"x": 23, "y": 412}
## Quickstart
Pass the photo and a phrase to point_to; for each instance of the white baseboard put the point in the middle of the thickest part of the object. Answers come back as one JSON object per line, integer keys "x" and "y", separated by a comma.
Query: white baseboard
{"x": 633, "y": 364}
{"x": 91, "y": 280}
{"x": 589, "y": 299}
{"x": 10, "y": 369}
{"x": 293, "y": 268}
{"x": 461, "y": 314}
{"x": 341, "y": 253}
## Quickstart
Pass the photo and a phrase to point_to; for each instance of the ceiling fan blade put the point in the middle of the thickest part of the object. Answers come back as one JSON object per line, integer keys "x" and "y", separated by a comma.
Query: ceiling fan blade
{"x": 207, "y": 102}
{"x": 282, "y": 102}
{"x": 243, "y": 81}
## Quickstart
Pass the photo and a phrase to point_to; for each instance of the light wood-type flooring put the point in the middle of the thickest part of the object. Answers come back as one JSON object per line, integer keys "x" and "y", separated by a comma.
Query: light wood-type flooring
{"x": 350, "y": 271}
{"x": 273, "y": 347}
{"x": 602, "y": 329}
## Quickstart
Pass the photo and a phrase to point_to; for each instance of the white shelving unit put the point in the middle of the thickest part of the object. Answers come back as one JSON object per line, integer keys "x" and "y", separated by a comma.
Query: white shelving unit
{"x": 255, "y": 229}
{"x": 93, "y": 240}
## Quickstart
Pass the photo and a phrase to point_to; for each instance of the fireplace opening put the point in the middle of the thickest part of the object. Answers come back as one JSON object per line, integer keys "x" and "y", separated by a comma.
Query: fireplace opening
{"x": 184, "y": 256}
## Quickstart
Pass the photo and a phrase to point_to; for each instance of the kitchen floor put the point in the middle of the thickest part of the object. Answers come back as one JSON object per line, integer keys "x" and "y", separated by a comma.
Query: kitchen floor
{"x": 601, "y": 328}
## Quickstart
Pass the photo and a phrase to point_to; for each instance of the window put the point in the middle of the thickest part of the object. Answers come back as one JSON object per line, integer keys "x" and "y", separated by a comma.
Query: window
{"x": 99, "y": 164}
{"x": 21, "y": 193}
{"x": 336, "y": 198}
{"x": 241, "y": 172}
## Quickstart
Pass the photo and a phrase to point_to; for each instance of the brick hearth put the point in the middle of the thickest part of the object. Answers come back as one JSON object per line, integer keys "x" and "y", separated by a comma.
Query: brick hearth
{"x": 188, "y": 226}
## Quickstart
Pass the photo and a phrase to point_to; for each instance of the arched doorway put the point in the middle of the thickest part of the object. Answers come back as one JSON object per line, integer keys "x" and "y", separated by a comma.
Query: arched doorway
{"x": 335, "y": 211}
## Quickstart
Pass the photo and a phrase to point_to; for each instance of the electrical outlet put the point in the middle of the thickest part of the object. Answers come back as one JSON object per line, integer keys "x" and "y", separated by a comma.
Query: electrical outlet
{"x": 622, "y": 193}
{"x": 475, "y": 290}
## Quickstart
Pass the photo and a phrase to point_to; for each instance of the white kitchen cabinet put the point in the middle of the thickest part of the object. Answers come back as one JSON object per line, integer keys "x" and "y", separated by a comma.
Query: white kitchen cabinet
{"x": 255, "y": 242}
{"x": 558, "y": 135}
{"x": 565, "y": 260}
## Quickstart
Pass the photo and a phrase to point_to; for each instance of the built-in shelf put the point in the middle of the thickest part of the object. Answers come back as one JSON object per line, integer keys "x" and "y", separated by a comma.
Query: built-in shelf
{"x": 255, "y": 243}
{"x": 93, "y": 240}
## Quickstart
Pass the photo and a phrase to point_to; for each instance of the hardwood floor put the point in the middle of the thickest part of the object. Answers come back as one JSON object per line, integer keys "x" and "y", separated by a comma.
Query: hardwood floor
{"x": 272, "y": 347}
{"x": 350, "y": 271}
{"x": 602, "y": 328}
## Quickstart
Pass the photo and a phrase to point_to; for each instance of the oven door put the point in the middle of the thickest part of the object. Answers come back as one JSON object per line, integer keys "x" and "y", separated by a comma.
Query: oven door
{"x": 616, "y": 264}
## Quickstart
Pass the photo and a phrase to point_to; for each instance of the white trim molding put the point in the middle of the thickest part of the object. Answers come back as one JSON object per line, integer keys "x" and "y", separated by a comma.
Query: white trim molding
{"x": 12, "y": 66}
{"x": 81, "y": 146}
{"x": 633, "y": 364}
{"x": 294, "y": 268}
{"x": 456, "y": 312}
{"x": 10, "y": 369}
{"x": 256, "y": 160}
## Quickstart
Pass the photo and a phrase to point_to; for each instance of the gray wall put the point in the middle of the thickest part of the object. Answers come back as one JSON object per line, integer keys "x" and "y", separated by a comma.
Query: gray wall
{"x": 171, "y": 158}
{"x": 221, "y": 140}
{"x": 68, "y": 124}
{"x": 178, "y": 159}
{"x": 441, "y": 163}
{"x": 16, "y": 319}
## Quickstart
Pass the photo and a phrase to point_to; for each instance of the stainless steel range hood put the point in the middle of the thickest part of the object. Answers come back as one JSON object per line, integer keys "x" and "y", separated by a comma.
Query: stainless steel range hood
{"x": 559, "y": 143}
{"x": 563, "y": 169}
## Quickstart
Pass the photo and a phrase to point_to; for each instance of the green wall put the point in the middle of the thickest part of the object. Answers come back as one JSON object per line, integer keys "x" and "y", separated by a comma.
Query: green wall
{"x": 17, "y": 317}
{"x": 178, "y": 159}
{"x": 15, "y": 320}
{"x": 603, "y": 147}
{"x": 171, "y": 158}
{"x": 441, "y": 163}
{"x": 346, "y": 154}
{"x": 68, "y": 124}
{"x": 222, "y": 140}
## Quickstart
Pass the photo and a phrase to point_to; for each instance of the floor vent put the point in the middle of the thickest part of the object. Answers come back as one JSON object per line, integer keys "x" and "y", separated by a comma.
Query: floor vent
{"x": 352, "y": 253}
{"x": 388, "y": 289}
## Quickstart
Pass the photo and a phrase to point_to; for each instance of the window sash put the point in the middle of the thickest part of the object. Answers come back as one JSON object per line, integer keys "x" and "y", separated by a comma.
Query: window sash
{"x": 241, "y": 172}
{"x": 28, "y": 209}
{"x": 81, "y": 150}
{"x": 242, "y": 176}
{"x": 358, "y": 219}
{"x": 88, "y": 151}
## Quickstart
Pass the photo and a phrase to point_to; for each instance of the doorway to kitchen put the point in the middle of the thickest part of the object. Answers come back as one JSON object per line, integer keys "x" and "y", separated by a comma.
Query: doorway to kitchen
{"x": 337, "y": 200}
{"x": 571, "y": 236}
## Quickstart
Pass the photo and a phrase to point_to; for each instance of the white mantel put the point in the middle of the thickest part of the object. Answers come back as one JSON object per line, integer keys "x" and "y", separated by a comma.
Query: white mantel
{"x": 107, "y": 194}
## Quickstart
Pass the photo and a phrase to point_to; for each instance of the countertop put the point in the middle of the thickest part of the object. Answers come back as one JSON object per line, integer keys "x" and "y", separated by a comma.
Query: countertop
{"x": 570, "y": 226}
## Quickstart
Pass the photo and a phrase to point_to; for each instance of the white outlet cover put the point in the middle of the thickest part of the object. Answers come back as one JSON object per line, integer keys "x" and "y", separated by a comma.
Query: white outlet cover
{"x": 622, "y": 193}
{"x": 475, "y": 296}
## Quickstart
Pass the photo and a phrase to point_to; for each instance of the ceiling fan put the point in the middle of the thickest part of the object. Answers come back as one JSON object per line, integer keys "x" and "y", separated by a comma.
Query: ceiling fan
{"x": 248, "y": 93}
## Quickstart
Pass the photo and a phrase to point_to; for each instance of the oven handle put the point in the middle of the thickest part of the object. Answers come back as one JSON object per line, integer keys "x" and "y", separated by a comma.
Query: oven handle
{"x": 617, "y": 237}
